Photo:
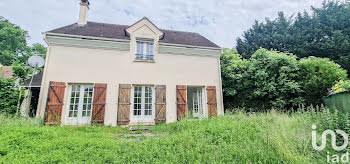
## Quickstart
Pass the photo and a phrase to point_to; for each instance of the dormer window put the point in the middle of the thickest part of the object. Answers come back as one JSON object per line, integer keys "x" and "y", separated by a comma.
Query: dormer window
{"x": 144, "y": 50}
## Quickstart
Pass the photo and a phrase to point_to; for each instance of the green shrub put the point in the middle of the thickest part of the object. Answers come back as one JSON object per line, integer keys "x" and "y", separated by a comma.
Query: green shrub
{"x": 341, "y": 86}
{"x": 233, "y": 69}
{"x": 272, "y": 79}
{"x": 9, "y": 95}
{"x": 316, "y": 76}
{"x": 267, "y": 80}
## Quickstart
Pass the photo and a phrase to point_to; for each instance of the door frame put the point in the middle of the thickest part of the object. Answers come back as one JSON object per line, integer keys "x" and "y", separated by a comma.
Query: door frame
{"x": 67, "y": 120}
{"x": 139, "y": 119}
{"x": 204, "y": 100}
{"x": 199, "y": 114}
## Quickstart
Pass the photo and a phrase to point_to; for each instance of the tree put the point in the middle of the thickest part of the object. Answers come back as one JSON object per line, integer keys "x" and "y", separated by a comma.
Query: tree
{"x": 323, "y": 33}
{"x": 38, "y": 49}
{"x": 316, "y": 76}
{"x": 13, "y": 44}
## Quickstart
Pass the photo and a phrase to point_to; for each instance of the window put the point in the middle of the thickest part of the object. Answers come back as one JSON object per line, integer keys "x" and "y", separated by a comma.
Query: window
{"x": 143, "y": 101}
{"x": 144, "y": 50}
{"x": 80, "y": 101}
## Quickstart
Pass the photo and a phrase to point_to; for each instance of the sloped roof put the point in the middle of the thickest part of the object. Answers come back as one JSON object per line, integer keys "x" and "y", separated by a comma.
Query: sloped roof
{"x": 114, "y": 31}
{"x": 36, "y": 80}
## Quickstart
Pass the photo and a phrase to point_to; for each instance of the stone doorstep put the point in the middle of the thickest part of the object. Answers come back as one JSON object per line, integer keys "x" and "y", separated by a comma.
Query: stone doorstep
{"x": 144, "y": 127}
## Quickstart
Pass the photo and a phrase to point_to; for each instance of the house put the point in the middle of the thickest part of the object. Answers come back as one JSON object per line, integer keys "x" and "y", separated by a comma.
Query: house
{"x": 110, "y": 74}
{"x": 6, "y": 72}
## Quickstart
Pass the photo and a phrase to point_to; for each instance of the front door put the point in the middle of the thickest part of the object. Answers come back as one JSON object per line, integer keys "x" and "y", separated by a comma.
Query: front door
{"x": 80, "y": 105}
{"x": 142, "y": 104}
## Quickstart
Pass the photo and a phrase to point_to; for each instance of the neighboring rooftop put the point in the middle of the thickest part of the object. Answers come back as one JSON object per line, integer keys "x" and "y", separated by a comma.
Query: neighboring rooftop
{"x": 6, "y": 72}
{"x": 114, "y": 31}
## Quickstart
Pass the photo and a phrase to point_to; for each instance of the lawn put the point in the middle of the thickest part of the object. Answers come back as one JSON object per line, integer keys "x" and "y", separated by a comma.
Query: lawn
{"x": 234, "y": 138}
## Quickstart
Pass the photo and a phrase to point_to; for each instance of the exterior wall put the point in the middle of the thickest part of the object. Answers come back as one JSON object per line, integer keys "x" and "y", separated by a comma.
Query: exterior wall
{"x": 83, "y": 61}
{"x": 82, "y": 65}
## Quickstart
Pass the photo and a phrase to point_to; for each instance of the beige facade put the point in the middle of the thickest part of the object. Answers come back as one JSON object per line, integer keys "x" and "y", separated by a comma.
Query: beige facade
{"x": 74, "y": 60}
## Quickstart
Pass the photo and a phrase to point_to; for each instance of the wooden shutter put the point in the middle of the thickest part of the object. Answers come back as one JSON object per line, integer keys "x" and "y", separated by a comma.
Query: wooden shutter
{"x": 212, "y": 104}
{"x": 181, "y": 100}
{"x": 123, "y": 117}
{"x": 54, "y": 103}
{"x": 160, "y": 104}
{"x": 99, "y": 104}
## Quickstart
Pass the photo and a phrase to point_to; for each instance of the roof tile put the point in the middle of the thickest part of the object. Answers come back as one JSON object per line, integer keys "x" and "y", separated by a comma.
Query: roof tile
{"x": 114, "y": 31}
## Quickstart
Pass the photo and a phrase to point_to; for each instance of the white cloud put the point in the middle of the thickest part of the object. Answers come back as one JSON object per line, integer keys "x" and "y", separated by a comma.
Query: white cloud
{"x": 220, "y": 21}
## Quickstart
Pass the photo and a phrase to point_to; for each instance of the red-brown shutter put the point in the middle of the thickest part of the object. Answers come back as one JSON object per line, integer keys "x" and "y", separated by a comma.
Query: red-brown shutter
{"x": 123, "y": 115}
{"x": 212, "y": 103}
{"x": 54, "y": 103}
{"x": 160, "y": 104}
{"x": 99, "y": 104}
{"x": 181, "y": 100}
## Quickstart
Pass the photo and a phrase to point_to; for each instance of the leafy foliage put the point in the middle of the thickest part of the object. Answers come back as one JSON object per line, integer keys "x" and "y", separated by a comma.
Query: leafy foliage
{"x": 8, "y": 96}
{"x": 13, "y": 44}
{"x": 233, "y": 69}
{"x": 341, "y": 86}
{"x": 38, "y": 48}
{"x": 266, "y": 80}
{"x": 323, "y": 33}
{"x": 272, "y": 79}
{"x": 19, "y": 70}
{"x": 316, "y": 76}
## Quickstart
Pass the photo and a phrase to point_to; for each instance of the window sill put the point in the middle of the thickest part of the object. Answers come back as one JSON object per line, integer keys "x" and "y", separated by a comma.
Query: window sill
{"x": 145, "y": 61}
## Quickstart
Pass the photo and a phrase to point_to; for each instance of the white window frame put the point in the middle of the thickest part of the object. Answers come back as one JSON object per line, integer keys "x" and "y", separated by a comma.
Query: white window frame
{"x": 197, "y": 99}
{"x": 142, "y": 118}
{"x": 147, "y": 53}
{"x": 80, "y": 119}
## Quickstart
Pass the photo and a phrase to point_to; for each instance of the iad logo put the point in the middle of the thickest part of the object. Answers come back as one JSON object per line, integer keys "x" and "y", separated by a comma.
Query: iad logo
{"x": 324, "y": 139}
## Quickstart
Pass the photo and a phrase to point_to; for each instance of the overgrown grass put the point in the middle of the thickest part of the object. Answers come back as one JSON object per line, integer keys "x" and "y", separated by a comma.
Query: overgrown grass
{"x": 270, "y": 137}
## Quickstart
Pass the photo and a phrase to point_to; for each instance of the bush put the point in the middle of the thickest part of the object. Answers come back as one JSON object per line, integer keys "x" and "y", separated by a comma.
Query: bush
{"x": 233, "y": 69}
{"x": 273, "y": 79}
{"x": 341, "y": 86}
{"x": 267, "y": 80}
{"x": 316, "y": 76}
{"x": 8, "y": 96}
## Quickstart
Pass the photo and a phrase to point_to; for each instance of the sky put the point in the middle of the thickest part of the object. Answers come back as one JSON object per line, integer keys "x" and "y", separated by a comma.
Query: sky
{"x": 221, "y": 21}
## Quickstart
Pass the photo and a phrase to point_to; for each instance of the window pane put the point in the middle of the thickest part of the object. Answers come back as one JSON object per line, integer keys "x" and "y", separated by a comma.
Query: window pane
{"x": 74, "y": 101}
{"x": 144, "y": 50}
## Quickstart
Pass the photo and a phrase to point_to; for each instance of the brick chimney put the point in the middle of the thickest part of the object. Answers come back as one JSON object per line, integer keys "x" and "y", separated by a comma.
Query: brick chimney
{"x": 84, "y": 8}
